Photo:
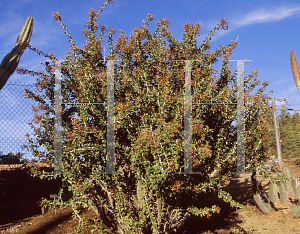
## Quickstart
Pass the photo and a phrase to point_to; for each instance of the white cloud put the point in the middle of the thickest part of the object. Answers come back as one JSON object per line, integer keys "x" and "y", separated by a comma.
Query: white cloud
{"x": 255, "y": 17}
{"x": 263, "y": 16}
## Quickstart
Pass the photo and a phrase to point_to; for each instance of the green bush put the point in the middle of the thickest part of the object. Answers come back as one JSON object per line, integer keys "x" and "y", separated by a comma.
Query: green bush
{"x": 11, "y": 159}
{"x": 147, "y": 196}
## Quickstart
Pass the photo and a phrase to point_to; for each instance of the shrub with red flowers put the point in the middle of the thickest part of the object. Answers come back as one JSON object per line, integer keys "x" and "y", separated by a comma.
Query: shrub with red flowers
{"x": 147, "y": 196}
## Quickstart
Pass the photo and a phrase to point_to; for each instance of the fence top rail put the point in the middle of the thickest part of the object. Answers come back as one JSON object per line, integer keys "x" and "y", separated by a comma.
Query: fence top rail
{"x": 287, "y": 109}
{"x": 165, "y": 60}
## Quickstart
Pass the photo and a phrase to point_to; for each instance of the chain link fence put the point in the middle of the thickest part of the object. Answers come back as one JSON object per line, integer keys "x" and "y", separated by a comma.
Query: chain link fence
{"x": 15, "y": 114}
{"x": 288, "y": 127}
{"x": 289, "y": 134}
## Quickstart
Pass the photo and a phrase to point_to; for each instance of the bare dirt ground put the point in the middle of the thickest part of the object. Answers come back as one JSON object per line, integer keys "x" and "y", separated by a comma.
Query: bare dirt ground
{"x": 278, "y": 221}
{"x": 20, "y": 212}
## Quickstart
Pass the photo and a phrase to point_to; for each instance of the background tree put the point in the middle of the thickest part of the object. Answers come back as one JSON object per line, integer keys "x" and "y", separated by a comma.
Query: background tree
{"x": 289, "y": 134}
{"x": 148, "y": 197}
{"x": 291, "y": 137}
{"x": 11, "y": 158}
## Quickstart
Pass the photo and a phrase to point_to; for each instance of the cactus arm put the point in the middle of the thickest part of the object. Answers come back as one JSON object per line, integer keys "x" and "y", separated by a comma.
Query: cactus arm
{"x": 26, "y": 31}
{"x": 283, "y": 192}
{"x": 262, "y": 200}
{"x": 11, "y": 60}
{"x": 284, "y": 186}
{"x": 295, "y": 69}
{"x": 9, "y": 64}
{"x": 263, "y": 203}
{"x": 273, "y": 194}
{"x": 295, "y": 209}
{"x": 294, "y": 183}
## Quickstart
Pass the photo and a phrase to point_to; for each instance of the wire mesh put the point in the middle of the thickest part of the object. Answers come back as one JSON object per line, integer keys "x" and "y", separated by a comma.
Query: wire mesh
{"x": 289, "y": 134}
{"x": 15, "y": 114}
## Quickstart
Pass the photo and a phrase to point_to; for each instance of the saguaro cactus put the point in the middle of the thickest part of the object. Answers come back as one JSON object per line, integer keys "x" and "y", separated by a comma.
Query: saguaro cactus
{"x": 11, "y": 60}
{"x": 295, "y": 69}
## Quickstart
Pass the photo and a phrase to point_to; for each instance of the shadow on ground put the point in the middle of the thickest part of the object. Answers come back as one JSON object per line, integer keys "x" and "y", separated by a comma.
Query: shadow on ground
{"x": 228, "y": 217}
{"x": 21, "y": 193}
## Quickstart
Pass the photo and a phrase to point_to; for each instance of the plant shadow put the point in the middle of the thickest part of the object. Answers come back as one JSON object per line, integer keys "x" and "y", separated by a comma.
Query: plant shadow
{"x": 21, "y": 194}
{"x": 241, "y": 191}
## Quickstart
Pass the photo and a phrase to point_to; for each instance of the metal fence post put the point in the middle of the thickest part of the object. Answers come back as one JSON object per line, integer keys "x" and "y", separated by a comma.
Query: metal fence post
{"x": 110, "y": 159}
{"x": 241, "y": 119}
{"x": 110, "y": 141}
{"x": 57, "y": 122}
{"x": 110, "y": 167}
{"x": 277, "y": 133}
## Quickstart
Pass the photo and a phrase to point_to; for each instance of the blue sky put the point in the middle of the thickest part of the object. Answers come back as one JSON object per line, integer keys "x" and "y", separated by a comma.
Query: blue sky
{"x": 266, "y": 32}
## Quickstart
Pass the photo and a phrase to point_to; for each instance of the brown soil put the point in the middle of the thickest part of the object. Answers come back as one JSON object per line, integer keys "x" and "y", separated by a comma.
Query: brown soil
{"x": 20, "y": 212}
